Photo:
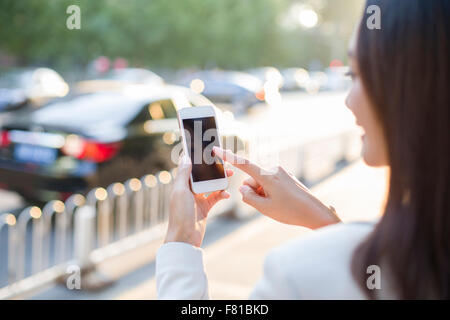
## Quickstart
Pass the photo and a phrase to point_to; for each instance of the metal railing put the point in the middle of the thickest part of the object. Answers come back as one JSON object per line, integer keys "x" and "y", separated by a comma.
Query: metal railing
{"x": 82, "y": 230}
{"x": 85, "y": 230}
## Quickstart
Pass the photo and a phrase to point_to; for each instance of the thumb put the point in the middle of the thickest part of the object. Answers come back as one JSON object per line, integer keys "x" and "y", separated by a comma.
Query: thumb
{"x": 183, "y": 172}
{"x": 250, "y": 197}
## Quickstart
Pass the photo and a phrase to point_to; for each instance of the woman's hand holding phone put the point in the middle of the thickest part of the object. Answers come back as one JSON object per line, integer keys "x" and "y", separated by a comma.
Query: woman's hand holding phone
{"x": 279, "y": 195}
{"x": 188, "y": 211}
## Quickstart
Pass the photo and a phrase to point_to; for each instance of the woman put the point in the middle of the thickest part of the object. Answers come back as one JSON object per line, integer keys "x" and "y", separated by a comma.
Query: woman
{"x": 400, "y": 97}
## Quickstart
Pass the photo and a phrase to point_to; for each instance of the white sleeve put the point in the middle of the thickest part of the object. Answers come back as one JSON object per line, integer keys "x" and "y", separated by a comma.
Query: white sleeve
{"x": 274, "y": 284}
{"x": 180, "y": 273}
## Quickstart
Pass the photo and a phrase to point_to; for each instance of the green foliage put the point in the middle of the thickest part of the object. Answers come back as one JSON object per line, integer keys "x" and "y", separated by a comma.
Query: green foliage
{"x": 155, "y": 33}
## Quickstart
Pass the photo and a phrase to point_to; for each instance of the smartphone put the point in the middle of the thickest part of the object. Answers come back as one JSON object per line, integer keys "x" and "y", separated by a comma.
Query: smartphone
{"x": 199, "y": 132}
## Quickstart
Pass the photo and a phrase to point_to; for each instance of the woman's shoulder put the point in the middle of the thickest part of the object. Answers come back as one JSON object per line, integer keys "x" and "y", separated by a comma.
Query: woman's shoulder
{"x": 317, "y": 265}
{"x": 340, "y": 236}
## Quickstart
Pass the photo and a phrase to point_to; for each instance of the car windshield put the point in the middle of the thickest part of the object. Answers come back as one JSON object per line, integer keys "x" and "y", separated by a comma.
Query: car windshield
{"x": 88, "y": 110}
{"x": 15, "y": 79}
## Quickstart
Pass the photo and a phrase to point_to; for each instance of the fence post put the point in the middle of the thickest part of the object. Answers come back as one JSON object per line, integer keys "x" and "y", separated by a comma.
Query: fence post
{"x": 9, "y": 220}
{"x": 26, "y": 215}
{"x": 118, "y": 205}
{"x": 135, "y": 200}
{"x": 64, "y": 242}
{"x": 49, "y": 210}
{"x": 97, "y": 198}
{"x": 164, "y": 178}
{"x": 150, "y": 183}
{"x": 84, "y": 232}
{"x": 84, "y": 238}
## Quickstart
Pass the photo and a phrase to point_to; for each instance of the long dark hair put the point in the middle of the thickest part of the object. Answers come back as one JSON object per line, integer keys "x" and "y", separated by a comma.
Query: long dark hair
{"x": 405, "y": 70}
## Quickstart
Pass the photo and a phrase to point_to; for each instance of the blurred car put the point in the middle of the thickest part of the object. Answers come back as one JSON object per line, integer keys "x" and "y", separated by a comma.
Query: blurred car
{"x": 317, "y": 81}
{"x": 117, "y": 79}
{"x": 239, "y": 89}
{"x": 337, "y": 78}
{"x": 90, "y": 140}
{"x": 268, "y": 75}
{"x": 36, "y": 86}
{"x": 294, "y": 79}
{"x": 11, "y": 99}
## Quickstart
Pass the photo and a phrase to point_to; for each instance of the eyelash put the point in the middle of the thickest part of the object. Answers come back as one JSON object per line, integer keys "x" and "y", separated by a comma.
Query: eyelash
{"x": 351, "y": 74}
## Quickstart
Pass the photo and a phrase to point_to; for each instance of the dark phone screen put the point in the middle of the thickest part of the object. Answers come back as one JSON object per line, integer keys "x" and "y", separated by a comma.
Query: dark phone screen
{"x": 201, "y": 136}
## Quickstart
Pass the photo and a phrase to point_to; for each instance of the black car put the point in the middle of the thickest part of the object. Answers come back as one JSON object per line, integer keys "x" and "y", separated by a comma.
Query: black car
{"x": 90, "y": 140}
{"x": 239, "y": 89}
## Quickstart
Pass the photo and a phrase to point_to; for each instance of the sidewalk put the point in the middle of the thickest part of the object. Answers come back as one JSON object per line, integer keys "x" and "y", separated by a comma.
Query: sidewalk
{"x": 234, "y": 262}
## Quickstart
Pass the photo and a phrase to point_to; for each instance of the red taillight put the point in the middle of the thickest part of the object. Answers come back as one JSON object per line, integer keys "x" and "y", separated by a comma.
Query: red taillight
{"x": 4, "y": 139}
{"x": 99, "y": 152}
{"x": 89, "y": 150}
{"x": 260, "y": 95}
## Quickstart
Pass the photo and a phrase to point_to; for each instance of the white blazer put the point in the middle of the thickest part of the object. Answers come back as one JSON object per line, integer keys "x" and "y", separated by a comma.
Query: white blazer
{"x": 314, "y": 266}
